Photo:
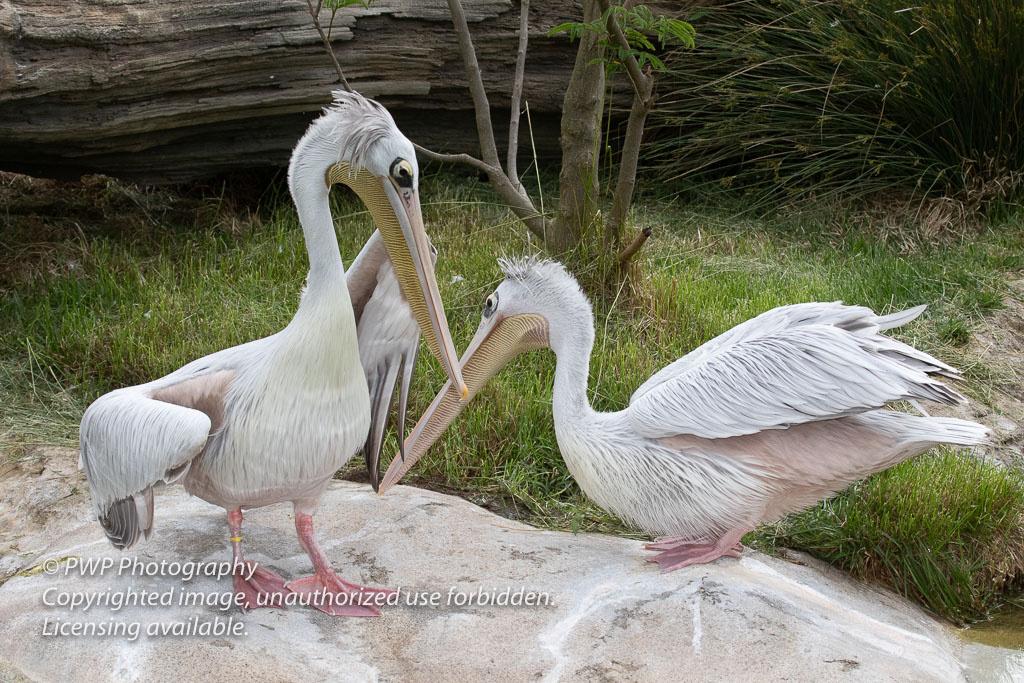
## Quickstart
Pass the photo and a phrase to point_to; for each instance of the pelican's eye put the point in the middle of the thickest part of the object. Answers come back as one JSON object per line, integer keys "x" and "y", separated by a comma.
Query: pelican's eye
{"x": 490, "y": 305}
{"x": 401, "y": 172}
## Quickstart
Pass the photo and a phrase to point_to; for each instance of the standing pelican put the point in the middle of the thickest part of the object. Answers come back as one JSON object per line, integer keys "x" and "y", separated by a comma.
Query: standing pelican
{"x": 271, "y": 421}
{"x": 766, "y": 419}
{"x": 389, "y": 339}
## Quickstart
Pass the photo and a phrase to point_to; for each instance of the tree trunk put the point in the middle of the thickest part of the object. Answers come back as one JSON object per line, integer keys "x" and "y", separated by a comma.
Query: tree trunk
{"x": 577, "y": 218}
{"x": 168, "y": 91}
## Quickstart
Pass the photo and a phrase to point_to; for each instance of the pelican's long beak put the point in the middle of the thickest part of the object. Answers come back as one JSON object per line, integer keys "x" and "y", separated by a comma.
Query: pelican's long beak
{"x": 496, "y": 342}
{"x": 396, "y": 212}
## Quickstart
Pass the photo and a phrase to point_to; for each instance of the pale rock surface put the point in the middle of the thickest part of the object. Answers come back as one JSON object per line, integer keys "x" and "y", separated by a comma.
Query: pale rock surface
{"x": 611, "y": 617}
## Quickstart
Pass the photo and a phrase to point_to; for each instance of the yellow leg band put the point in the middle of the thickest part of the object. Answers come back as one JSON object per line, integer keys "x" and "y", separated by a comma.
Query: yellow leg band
{"x": 236, "y": 539}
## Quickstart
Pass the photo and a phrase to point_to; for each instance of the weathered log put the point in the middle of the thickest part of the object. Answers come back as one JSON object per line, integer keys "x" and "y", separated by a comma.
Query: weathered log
{"x": 159, "y": 92}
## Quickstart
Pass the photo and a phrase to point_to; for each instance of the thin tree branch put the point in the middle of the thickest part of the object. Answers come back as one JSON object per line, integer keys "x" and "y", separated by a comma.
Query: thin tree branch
{"x": 629, "y": 161}
{"x": 465, "y": 159}
{"x": 630, "y": 251}
{"x": 636, "y": 76}
{"x": 517, "y": 95}
{"x": 643, "y": 87}
{"x": 485, "y": 130}
{"x": 511, "y": 192}
{"x": 315, "y": 13}
{"x": 516, "y": 200}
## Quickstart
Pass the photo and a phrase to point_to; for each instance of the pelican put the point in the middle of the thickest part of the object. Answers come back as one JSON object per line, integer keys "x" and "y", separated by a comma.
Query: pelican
{"x": 772, "y": 416}
{"x": 272, "y": 420}
{"x": 389, "y": 340}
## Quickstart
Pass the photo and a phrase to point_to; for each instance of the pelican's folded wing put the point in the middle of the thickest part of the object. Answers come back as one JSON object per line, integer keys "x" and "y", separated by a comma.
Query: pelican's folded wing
{"x": 361, "y": 276}
{"x": 791, "y": 365}
{"x": 389, "y": 338}
{"x": 131, "y": 441}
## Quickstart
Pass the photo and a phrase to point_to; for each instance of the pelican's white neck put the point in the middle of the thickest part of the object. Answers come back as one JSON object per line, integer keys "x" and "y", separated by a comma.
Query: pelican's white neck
{"x": 310, "y": 193}
{"x": 572, "y": 344}
{"x": 324, "y": 321}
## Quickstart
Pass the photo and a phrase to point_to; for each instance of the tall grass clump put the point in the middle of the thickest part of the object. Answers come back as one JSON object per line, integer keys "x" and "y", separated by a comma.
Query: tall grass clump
{"x": 946, "y": 530}
{"x": 792, "y": 99}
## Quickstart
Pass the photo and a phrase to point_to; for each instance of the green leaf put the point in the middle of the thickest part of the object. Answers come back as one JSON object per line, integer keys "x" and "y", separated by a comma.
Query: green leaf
{"x": 640, "y": 28}
{"x": 572, "y": 27}
{"x": 335, "y": 5}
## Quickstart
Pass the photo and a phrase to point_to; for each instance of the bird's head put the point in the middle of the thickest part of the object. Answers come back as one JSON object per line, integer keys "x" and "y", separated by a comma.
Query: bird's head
{"x": 538, "y": 305}
{"x": 356, "y": 143}
{"x": 535, "y": 286}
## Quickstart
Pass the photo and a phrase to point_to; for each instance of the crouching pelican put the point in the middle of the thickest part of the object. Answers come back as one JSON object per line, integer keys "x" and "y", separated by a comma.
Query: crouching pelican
{"x": 272, "y": 420}
{"x": 770, "y": 417}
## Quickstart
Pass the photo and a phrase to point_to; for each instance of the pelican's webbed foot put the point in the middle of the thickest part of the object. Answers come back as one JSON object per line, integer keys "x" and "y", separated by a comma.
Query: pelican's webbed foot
{"x": 259, "y": 587}
{"x": 327, "y": 591}
{"x": 677, "y": 552}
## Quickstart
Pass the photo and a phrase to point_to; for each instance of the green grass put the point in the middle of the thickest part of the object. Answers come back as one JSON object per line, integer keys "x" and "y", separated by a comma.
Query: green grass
{"x": 805, "y": 99}
{"x": 945, "y": 530}
{"x": 99, "y": 298}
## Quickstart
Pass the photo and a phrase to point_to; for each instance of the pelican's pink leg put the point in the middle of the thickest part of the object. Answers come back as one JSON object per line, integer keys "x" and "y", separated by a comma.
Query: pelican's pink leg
{"x": 259, "y": 587}
{"x": 679, "y": 552}
{"x": 327, "y": 591}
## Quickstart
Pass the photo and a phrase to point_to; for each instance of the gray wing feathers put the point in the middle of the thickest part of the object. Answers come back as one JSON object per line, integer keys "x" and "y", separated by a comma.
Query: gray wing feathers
{"x": 888, "y": 322}
{"x": 790, "y": 365}
{"x": 361, "y": 276}
{"x": 129, "y": 518}
{"x": 128, "y": 443}
{"x": 389, "y": 337}
{"x": 408, "y": 366}
{"x": 382, "y": 390}
{"x": 769, "y": 322}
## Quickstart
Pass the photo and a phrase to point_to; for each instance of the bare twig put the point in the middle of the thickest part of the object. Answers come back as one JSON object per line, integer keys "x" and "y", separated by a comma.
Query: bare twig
{"x": 465, "y": 159}
{"x": 315, "y": 13}
{"x": 512, "y": 193}
{"x": 484, "y": 128}
{"x": 517, "y": 201}
{"x": 630, "y": 251}
{"x": 517, "y": 94}
{"x": 536, "y": 166}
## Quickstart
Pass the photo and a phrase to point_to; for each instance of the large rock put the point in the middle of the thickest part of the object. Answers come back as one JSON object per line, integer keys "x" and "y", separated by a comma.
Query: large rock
{"x": 605, "y": 614}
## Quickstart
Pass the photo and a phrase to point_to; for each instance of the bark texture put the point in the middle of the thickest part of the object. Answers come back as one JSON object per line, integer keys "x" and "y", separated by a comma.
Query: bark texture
{"x": 159, "y": 92}
{"x": 580, "y": 140}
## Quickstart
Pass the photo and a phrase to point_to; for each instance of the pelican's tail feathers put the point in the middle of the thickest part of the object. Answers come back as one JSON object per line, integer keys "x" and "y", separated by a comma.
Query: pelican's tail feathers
{"x": 129, "y": 518}
{"x": 912, "y": 435}
{"x": 950, "y": 430}
{"x": 900, "y": 318}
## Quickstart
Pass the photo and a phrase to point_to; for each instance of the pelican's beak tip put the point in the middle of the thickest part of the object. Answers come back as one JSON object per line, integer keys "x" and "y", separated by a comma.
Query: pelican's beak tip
{"x": 465, "y": 392}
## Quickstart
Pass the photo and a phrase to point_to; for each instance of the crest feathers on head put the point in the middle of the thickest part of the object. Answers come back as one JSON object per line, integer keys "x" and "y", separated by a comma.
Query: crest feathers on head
{"x": 538, "y": 274}
{"x": 356, "y": 123}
